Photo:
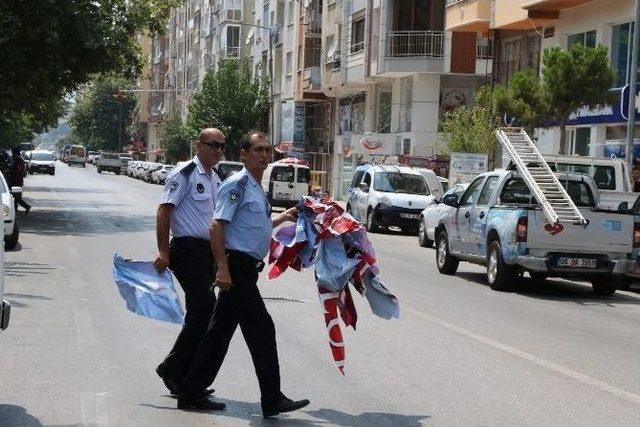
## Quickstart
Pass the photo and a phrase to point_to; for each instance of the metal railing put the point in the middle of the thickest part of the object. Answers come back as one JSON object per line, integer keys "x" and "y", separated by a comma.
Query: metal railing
{"x": 484, "y": 49}
{"x": 357, "y": 47}
{"x": 415, "y": 43}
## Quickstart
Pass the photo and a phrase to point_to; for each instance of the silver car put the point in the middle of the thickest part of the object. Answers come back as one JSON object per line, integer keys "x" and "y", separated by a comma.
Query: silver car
{"x": 432, "y": 213}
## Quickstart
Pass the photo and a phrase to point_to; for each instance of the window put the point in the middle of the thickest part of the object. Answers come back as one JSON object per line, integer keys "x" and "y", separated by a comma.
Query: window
{"x": 397, "y": 182}
{"x": 330, "y": 46}
{"x": 516, "y": 191}
{"x": 265, "y": 15}
{"x": 233, "y": 9}
{"x": 232, "y": 46}
{"x": 587, "y": 39}
{"x": 357, "y": 177}
{"x": 289, "y": 63}
{"x": 472, "y": 193}
{"x": 357, "y": 35}
{"x": 367, "y": 179}
{"x": 621, "y": 40}
{"x": 489, "y": 186}
{"x": 579, "y": 192}
{"x": 283, "y": 173}
{"x": 303, "y": 176}
{"x": 605, "y": 177}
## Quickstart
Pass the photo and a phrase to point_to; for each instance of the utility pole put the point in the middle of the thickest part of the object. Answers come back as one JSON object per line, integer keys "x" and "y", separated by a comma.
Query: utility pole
{"x": 633, "y": 82}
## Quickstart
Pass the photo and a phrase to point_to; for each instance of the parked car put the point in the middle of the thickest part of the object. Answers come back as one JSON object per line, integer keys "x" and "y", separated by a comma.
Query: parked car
{"x": 497, "y": 223}
{"x": 131, "y": 166}
{"x": 142, "y": 170}
{"x": 11, "y": 229}
{"x": 159, "y": 175}
{"x": 42, "y": 161}
{"x": 391, "y": 195}
{"x": 109, "y": 162}
{"x": 285, "y": 183}
{"x": 610, "y": 175}
{"x": 431, "y": 215}
{"x": 227, "y": 168}
{"x": 91, "y": 157}
{"x": 151, "y": 169}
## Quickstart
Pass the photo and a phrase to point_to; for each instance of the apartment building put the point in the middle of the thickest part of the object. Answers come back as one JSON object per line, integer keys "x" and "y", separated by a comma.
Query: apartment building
{"x": 393, "y": 72}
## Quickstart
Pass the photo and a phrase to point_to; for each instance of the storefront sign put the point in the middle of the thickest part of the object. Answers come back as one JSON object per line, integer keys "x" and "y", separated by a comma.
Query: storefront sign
{"x": 298, "y": 124}
{"x": 287, "y": 121}
{"x": 615, "y": 113}
{"x": 372, "y": 143}
{"x": 464, "y": 167}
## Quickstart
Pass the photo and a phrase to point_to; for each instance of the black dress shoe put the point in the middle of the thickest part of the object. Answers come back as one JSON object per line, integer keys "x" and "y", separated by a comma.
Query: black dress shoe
{"x": 200, "y": 403}
{"x": 205, "y": 392}
{"x": 283, "y": 405}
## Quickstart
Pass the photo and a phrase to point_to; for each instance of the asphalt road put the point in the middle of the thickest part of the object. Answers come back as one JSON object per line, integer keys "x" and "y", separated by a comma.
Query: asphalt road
{"x": 549, "y": 354}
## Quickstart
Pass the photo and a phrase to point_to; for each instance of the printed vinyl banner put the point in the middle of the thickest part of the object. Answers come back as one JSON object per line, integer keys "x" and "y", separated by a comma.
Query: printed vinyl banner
{"x": 464, "y": 167}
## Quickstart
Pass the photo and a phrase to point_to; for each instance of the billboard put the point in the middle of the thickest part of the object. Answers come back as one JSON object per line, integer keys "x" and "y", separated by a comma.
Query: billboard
{"x": 463, "y": 167}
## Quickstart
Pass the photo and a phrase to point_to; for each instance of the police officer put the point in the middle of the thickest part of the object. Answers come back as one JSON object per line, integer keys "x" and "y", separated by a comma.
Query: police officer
{"x": 240, "y": 237}
{"x": 186, "y": 208}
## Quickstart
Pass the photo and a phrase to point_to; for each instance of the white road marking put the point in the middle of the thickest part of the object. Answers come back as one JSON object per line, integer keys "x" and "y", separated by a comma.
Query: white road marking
{"x": 601, "y": 385}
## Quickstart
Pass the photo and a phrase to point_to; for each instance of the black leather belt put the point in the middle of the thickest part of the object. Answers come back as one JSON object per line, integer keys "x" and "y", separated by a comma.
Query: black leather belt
{"x": 189, "y": 239}
{"x": 246, "y": 259}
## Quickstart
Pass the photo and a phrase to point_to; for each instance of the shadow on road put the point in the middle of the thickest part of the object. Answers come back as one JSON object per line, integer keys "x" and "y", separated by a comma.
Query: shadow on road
{"x": 558, "y": 290}
{"x": 22, "y": 269}
{"x": 75, "y": 190}
{"x": 13, "y": 415}
{"x": 252, "y": 412}
{"x": 83, "y": 222}
{"x": 19, "y": 304}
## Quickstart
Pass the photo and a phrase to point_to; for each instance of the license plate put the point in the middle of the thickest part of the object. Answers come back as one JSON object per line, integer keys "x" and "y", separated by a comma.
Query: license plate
{"x": 576, "y": 262}
{"x": 282, "y": 195}
{"x": 409, "y": 216}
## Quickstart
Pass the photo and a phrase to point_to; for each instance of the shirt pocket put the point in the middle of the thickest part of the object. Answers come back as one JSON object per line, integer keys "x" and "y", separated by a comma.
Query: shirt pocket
{"x": 203, "y": 201}
{"x": 257, "y": 210}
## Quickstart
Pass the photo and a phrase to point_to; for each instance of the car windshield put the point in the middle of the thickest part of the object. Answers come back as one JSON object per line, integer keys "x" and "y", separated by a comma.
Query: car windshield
{"x": 42, "y": 156}
{"x": 398, "y": 182}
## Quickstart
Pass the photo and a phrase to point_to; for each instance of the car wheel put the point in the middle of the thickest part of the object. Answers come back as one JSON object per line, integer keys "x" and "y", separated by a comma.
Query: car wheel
{"x": 423, "y": 240}
{"x": 536, "y": 275}
{"x": 11, "y": 241}
{"x": 605, "y": 285}
{"x": 117, "y": 172}
{"x": 99, "y": 170}
{"x": 500, "y": 276}
{"x": 372, "y": 224}
{"x": 447, "y": 263}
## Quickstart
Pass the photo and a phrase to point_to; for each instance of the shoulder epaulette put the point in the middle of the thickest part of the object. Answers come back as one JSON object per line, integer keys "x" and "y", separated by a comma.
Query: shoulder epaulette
{"x": 187, "y": 170}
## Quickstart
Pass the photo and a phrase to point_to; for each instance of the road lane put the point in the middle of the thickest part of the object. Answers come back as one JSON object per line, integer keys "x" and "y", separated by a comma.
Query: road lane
{"x": 74, "y": 355}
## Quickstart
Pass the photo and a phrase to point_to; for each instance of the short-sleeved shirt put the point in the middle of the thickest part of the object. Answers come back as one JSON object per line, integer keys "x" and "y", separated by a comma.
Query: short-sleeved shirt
{"x": 193, "y": 192}
{"x": 244, "y": 206}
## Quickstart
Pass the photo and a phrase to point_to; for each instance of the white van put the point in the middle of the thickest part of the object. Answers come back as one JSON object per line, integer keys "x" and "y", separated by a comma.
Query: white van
{"x": 286, "y": 183}
{"x": 610, "y": 175}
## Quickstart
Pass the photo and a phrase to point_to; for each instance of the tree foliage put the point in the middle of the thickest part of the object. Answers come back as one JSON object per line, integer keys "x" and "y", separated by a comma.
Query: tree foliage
{"x": 571, "y": 79}
{"x": 521, "y": 100}
{"x": 470, "y": 129}
{"x": 175, "y": 140}
{"x": 98, "y": 117}
{"x": 232, "y": 100}
{"x": 49, "y": 47}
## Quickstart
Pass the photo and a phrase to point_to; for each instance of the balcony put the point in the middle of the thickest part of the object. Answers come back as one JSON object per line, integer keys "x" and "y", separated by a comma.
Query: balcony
{"x": 511, "y": 15}
{"x": 229, "y": 52}
{"x": 553, "y": 5}
{"x": 408, "y": 52}
{"x": 402, "y": 44}
{"x": 468, "y": 15}
{"x": 311, "y": 78}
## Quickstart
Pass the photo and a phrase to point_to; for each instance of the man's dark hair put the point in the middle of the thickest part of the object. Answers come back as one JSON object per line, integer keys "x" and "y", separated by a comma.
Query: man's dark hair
{"x": 15, "y": 151}
{"x": 248, "y": 137}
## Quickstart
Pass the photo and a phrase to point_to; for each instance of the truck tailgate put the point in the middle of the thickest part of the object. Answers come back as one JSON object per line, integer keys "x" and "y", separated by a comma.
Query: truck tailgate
{"x": 606, "y": 232}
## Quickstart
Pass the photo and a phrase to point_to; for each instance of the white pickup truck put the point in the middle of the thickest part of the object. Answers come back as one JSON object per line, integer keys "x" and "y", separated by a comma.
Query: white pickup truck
{"x": 497, "y": 223}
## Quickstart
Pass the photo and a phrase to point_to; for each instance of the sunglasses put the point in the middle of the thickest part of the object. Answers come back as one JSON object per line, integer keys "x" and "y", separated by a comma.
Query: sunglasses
{"x": 214, "y": 145}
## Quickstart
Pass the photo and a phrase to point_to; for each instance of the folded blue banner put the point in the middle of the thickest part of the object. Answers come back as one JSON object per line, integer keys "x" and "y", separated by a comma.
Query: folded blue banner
{"x": 146, "y": 292}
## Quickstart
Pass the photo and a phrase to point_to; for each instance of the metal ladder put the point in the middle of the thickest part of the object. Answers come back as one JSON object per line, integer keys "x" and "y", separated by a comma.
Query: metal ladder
{"x": 536, "y": 173}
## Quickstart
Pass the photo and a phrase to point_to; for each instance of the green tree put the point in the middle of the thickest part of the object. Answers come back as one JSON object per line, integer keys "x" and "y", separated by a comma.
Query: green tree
{"x": 49, "y": 47}
{"x": 98, "y": 119}
{"x": 470, "y": 129}
{"x": 175, "y": 140}
{"x": 571, "y": 79}
{"x": 232, "y": 100}
{"x": 522, "y": 100}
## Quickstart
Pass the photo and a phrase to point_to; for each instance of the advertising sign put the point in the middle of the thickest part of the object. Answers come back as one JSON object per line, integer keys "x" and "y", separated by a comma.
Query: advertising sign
{"x": 287, "y": 121}
{"x": 463, "y": 167}
{"x": 372, "y": 143}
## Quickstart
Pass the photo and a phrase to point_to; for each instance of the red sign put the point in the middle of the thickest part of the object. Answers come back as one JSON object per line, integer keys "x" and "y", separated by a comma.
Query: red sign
{"x": 371, "y": 143}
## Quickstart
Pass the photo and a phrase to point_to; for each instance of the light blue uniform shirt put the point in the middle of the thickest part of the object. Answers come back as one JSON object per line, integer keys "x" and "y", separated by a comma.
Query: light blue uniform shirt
{"x": 243, "y": 205}
{"x": 193, "y": 193}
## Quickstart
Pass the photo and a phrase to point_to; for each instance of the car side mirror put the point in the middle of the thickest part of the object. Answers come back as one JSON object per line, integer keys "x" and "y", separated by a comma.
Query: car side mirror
{"x": 16, "y": 190}
{"x": 450, "y": 200}
{"x": 364, "y": 187}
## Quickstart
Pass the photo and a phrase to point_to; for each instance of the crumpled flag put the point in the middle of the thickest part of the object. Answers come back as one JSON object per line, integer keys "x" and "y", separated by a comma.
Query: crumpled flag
{"x": 331, "y": 239}
{"x": 147, "y": 292}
